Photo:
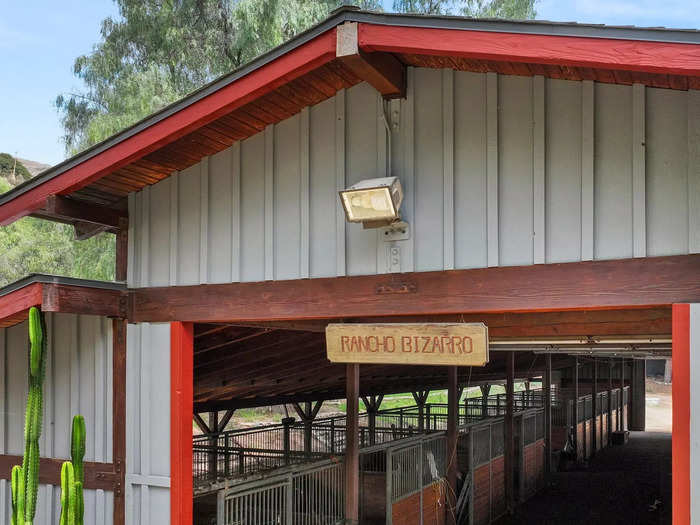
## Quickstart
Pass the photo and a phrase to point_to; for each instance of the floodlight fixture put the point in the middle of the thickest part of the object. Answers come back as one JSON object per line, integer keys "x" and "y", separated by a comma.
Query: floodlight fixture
{"x": 373, "y": 202}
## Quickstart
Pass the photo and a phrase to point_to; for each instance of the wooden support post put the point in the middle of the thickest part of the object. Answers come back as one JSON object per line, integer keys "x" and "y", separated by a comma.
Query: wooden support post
{"x": 121, "y": 250}
{"x": 352, "y": 450}
{"x": 119, "y": 417}
{"x": 638, "y": 395}
{"x": 596, "y": 427}
{"x": 452, "y": 424}
{"x": 485, "y": 390}
{"x": 212, "y": 442}
{"x": 307, "y": 415}
{"x": 610, "y": 403}
{"x": 372, "y": 404}
{"x": 548, "y": 415}
{"x": 420, "y": 397}
{"x": 509, "y": 456}
{"x": 576, "y": 412}
{"x": 621, "y": 411}
{"x": 287, "y": 422}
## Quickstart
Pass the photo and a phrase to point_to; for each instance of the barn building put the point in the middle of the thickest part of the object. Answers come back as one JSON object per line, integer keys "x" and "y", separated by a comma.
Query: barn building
{"x": 550, "y": 176}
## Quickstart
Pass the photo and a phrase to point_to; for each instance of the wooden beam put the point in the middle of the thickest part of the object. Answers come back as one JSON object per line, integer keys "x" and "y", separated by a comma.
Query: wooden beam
{"x": 352, "y": 446}
{"x": 604, "y": 53}
{"x": 595, "y": 285}
{"x": 382, "y": 71}
{"x": 199, "y": 421}
{"x": 98, "y": 476}
{"x": 122, "y": 251}
{"x": 65, "y": 209}
{"x": 83, "y": 300}
{"x": 547, "y": 387}
{"x": 15, "y": 305}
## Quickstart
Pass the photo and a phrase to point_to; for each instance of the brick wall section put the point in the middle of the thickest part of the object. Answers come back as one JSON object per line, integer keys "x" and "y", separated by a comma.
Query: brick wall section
{"x": 373, "y": 494}
{"x": 407, "y": 510}
{"x": 533, "y": 457}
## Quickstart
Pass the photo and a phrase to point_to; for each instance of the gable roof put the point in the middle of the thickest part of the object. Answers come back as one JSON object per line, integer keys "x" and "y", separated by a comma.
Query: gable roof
{"x": 309, "y": 69}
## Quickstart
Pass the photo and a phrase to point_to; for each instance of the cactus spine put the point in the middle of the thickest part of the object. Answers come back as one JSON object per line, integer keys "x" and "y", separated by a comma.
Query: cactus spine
{"x": 25, "y": 479}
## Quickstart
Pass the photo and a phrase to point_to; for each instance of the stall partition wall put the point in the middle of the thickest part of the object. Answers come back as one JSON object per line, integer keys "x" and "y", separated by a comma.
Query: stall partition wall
{"x": 613, "y": 171}
{"x": 78, "y": 381}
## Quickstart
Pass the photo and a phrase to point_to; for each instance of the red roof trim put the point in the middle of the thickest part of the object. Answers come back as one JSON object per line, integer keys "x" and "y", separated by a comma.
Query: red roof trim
{"x": 19, "y": 301}
{"x": 292, "y": 65}
{"x": 632, "y": 55}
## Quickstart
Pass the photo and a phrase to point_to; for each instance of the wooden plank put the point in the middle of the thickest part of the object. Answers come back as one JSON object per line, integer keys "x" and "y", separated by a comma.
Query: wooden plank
{"x": 627, "y": 55}
{"x": 639, "y": 230}
{"x": 653, "y": 281}
{"x": 456, "y": 344}
{"x": 492, "y": 168}
{"x": 587, "y": 168}
{"x": 538, "y": 170}
{"x": 98, "y": 476}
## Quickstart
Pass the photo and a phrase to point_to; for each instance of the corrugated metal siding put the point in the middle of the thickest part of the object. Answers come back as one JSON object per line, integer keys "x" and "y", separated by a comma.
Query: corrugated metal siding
{"x": 497, "y": 170}
{"x": 148, "y": 428}
{"x": 78, "y": 381}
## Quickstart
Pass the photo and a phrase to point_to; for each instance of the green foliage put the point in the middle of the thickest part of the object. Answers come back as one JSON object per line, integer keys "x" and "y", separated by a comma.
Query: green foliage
{"x": 25, "y": 479}
{"x": 511, "y": 9}
{"x": 12, "y": 171}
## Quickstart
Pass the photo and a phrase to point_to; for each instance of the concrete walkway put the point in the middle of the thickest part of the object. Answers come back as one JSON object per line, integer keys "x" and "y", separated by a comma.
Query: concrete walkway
{"x": 619, "y": 486}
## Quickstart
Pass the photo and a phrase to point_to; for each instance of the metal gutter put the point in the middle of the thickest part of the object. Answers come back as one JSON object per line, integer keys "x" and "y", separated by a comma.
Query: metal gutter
{"x": 350, "y": 14}
{"x": 38, "y": 278}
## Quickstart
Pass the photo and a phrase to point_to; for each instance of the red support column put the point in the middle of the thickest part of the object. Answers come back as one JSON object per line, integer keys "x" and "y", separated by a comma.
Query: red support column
{"x": 352, "y": 450}
{"x": 452, "y": 417}
{"x": 181, "y": 410}
{"x": 681, "y": 414}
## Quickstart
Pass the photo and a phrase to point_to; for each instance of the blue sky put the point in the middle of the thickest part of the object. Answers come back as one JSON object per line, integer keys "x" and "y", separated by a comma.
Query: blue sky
{"x": 40, "y": 39}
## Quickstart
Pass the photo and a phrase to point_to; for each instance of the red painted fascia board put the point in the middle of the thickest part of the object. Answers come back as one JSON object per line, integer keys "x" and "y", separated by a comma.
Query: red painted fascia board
{"x": 181, "y": 410}
{"x": 632, "y": 55}
{"x": 680, "y": 442}
{"x": 289, "y": 66}
{"x": 20, "y": 300}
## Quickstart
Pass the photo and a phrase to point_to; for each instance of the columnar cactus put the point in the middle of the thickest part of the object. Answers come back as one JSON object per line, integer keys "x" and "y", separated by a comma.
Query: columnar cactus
{"x": 25, "y": 479}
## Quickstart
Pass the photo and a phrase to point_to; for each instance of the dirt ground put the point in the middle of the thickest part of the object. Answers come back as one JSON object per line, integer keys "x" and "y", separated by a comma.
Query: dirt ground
{"x": 658, "y": 406}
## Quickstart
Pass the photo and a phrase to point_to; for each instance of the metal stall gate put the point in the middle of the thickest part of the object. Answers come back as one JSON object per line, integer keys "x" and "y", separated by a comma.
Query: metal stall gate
{"x": 312, "y": 494}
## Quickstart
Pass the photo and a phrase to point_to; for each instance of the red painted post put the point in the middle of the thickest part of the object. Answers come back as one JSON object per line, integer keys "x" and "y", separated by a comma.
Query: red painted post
{"x": 680, "y": 441}
{"x": 181, "y": 410}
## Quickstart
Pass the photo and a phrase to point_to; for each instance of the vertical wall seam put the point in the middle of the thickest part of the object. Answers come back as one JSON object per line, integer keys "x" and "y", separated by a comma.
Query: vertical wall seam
{"x": 587, "y": 168}
{"x": 269, "y": 202}
{"x": 409, "y": 167}
{"x": 693, "y": 171}
{"x": 304, "y": 169}
{"x": 131, "y": 244}
{"x": 448, "y": 169}
{"x": 174, "y": 227}
{"x": 538, "y": 170}
{"x": 639, "y": 171}
{"x": 145, "y": 235}
{"x": 492, "y": 167}
{"x": 340, "y": 180}
{"x": 236, "y": 212}
{"x": 203, "y": 220}
{"x": 74, "y": 365}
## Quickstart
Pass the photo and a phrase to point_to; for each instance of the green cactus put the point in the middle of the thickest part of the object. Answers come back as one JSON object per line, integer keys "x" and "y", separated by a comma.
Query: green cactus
{"x": 25, "y": 479}
{"x": 77, "y": 451}
{"x": 68, "y": 502}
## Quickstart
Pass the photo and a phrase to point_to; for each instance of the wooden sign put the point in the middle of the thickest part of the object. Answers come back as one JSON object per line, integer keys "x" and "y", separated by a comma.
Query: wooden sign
{"x": 458, "y": 344}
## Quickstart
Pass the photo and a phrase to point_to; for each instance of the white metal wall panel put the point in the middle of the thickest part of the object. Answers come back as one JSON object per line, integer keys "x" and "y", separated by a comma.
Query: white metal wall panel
{"x": 497, "y": 170}
{"x": 148, "y": 429}
{"x": 78, "y": 381}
